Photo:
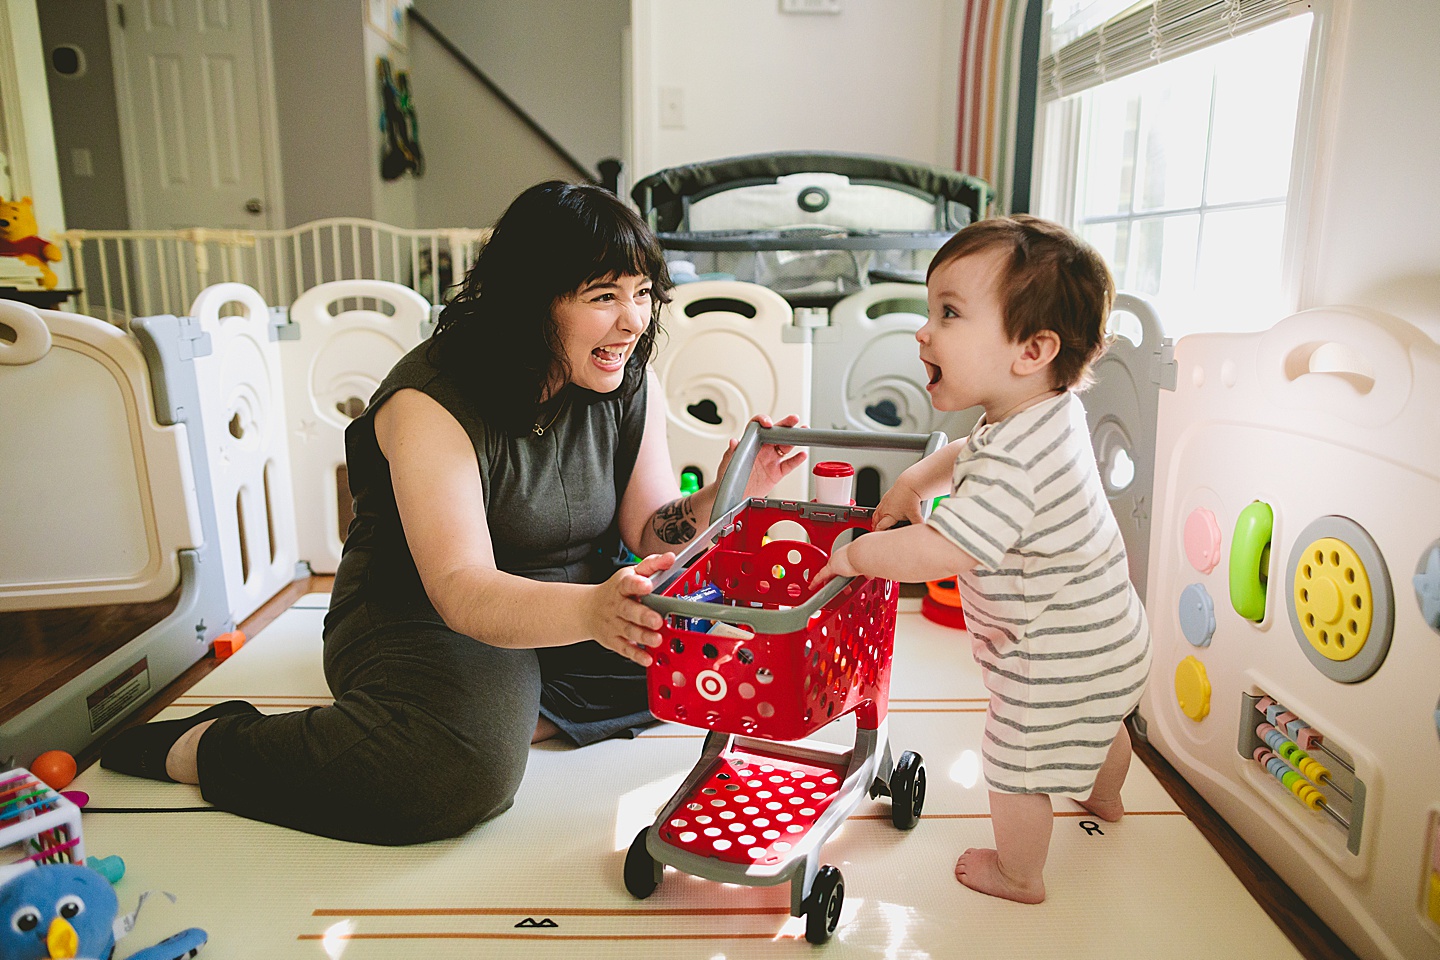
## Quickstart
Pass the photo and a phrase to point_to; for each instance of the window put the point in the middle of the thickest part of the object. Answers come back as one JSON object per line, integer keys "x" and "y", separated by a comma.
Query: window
{"x": 1179, "y": 171}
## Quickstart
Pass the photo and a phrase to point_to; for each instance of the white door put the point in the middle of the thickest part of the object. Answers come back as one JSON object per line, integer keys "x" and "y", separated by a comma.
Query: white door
{"x": 192, "y": 81}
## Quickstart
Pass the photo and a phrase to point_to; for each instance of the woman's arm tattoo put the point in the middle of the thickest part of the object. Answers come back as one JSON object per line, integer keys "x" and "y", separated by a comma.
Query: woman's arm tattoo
{"x": 674, "y": 522}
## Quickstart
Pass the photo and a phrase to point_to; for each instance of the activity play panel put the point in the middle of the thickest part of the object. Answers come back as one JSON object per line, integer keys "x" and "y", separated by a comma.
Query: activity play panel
{"x": 1292, "y": 578}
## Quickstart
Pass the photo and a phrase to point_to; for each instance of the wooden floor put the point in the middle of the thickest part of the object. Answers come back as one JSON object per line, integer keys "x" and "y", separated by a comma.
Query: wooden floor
{"x": 42, "y": 650}
{"x": 1311, "y": 937}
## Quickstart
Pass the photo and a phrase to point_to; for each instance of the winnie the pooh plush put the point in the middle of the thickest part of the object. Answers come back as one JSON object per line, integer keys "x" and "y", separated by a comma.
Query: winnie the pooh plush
{"x": 18, "y": 239}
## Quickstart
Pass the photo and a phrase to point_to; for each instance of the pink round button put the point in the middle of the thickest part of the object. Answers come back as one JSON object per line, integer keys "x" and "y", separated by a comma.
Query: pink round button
{"x": 1202, "y": 540}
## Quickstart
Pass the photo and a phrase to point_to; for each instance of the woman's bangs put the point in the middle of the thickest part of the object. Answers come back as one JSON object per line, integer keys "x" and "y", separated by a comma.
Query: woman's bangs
{"x": 621, "y": 257}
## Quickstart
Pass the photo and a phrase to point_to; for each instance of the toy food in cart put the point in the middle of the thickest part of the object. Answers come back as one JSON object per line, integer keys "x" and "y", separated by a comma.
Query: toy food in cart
{"x": 834, "y": 482}
{"x": 708, "y": 593}
{"x": 781, "y": 662}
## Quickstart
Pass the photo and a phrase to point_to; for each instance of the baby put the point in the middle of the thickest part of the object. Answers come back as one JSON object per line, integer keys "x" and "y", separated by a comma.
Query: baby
{"x": 1018, "y": 308}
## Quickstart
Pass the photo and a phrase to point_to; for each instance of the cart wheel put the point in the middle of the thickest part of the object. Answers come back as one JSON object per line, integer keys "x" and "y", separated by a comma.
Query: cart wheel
{"x": 642, "y": 871}
{"x": 907, "y": 790}
{"x": 827, "y": 896}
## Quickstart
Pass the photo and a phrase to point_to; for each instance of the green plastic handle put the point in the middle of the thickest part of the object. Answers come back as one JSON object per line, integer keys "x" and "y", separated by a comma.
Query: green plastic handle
{"x": 1250, "y": 559}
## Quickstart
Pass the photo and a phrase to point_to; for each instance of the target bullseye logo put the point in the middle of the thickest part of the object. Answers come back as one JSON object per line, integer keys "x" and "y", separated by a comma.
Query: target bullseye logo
{"x": 711, "y": 685}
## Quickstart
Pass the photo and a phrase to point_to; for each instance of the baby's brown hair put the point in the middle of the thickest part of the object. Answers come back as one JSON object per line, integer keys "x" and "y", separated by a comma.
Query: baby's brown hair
{"x": 1053, "y": 280}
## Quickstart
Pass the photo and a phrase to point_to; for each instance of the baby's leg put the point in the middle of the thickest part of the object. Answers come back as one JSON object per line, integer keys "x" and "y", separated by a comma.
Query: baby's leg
{"x": 1104, "y": 799}
{"x": 1014, "y": 869}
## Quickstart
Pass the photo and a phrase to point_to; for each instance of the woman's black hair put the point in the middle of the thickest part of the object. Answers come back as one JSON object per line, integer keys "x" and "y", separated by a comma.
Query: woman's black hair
{"x": 498, "y": 338}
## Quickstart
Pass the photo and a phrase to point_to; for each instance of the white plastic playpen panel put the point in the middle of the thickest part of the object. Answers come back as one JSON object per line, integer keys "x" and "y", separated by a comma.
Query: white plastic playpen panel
{"x": 242, "y": 407}
{"x": 98, "y": 496}
{"x": 723, "y": 358}
{"x": 1121, "y": 407}
{"x": 106, "y": 501}
{"x": 1324, "y": 597}
{"x": 330, "y": 373}
{"x": 868, "y": 376}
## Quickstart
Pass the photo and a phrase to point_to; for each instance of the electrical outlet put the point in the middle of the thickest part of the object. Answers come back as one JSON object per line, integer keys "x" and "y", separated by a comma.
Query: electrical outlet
{"x": 809, "y": 6}
{"x": 672, "y": 108}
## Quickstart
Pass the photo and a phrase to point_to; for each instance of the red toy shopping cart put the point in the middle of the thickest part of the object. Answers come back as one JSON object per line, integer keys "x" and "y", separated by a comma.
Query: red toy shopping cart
{"x": 763, "y": 663}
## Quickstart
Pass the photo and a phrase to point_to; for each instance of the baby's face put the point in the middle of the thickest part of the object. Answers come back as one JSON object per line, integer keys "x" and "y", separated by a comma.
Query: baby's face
{"x": 963, "y": 344}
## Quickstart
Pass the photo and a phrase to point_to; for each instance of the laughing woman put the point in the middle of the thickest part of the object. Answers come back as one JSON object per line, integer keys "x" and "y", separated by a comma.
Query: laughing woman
{"x": 478, "y": 606}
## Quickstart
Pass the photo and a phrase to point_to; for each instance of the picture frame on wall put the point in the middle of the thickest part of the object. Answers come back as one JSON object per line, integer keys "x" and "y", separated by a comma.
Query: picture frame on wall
{"x": 387, "y": 18}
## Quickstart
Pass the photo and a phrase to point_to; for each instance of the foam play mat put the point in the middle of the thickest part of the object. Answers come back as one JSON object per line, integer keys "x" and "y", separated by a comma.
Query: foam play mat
{"x": 546, "y": 878}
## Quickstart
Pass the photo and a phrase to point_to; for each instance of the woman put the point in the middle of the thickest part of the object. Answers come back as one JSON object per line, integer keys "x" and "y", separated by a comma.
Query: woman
{"x": 478, "y": 606}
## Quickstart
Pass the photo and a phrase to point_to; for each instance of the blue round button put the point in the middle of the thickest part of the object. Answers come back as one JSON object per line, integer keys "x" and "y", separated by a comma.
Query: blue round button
{"x": 1197, "y": 615}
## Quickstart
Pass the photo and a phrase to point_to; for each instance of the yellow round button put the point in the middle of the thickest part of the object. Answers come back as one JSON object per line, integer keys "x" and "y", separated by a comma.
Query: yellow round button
{"x": 1192, "y": 689}
{"x": 1325, "y": 600}
{"x": 1333, "y": 600}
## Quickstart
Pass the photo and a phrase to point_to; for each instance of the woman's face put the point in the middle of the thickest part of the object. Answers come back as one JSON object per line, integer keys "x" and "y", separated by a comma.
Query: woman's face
{"x": 599, "y": 325}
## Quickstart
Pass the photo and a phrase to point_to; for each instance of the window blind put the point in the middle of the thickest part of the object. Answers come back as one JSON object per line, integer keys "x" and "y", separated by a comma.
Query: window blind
{"x": 1142, "y": 37}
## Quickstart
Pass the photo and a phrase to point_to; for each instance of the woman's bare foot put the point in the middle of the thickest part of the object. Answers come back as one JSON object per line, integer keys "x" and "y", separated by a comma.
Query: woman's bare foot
{"x": 979, "y": 869}
{"x": 1108, "y": 810}
{"x": 182, "y": 762}
{"x": 544, "y": 730}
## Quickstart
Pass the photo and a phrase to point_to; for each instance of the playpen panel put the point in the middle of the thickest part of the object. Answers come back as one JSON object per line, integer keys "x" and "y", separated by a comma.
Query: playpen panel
{"x": 724, "y": 358}
{"x": 98, "y": 495}
{"x": 345, "y": 348}
{"x": 113, "y": 673}
{"x": 242, "y": 407}
{"x": 1120, "y": 407}
{"x": 1297, "y": 554}
{"x": 868, "y": 376}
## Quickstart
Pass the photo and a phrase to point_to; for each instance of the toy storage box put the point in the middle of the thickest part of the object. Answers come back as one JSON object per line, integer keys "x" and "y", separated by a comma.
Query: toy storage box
{"x": 37, "y": 825}
{"x": 1294, "y": 599}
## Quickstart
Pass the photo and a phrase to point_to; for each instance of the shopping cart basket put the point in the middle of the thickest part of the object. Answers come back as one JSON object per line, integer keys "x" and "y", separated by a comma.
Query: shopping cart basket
{"x": 765, "y": 667}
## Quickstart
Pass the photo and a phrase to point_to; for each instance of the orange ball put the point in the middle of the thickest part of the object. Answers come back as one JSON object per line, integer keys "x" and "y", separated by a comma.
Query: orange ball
{"x": 55, "y": 767}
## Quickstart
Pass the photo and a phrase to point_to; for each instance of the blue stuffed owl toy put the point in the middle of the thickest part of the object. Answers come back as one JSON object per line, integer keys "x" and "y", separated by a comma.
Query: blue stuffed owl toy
{"x": 60, "y": 910}
{"x": 63, "y": 911}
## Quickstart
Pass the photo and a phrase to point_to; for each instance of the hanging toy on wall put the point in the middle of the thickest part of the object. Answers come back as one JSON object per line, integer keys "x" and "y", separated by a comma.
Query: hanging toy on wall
{"x": 18, "y": 238}
{"x": 399, "y": 127}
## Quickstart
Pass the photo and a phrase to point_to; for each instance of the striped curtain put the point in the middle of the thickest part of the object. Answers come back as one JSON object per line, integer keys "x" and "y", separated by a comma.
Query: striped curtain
{"x": 990, "y": 71}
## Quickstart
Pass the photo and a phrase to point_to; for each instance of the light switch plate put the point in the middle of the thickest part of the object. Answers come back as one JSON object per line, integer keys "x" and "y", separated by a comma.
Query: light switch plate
{"x": 809, "y": 6}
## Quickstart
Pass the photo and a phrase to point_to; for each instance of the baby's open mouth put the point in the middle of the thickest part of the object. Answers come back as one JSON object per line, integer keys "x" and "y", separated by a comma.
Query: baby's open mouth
{"x": 933, "y": 371}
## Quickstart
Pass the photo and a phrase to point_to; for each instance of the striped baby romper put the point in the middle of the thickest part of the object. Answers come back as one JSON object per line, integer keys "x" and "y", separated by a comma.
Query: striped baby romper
{"x": 1055, "y": 624}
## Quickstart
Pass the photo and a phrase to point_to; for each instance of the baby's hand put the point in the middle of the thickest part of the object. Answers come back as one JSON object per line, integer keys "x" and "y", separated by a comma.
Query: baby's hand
{"x": 899, "y": 503}
{"x": 838, "y": 565}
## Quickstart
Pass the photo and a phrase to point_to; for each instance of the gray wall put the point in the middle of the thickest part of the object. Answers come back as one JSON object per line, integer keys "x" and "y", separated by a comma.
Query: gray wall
{"x": 478, "y": 154}
{"x": 326, "y": 160}
{"x": 84, "y": 115}
{"x": 560, "y": 61}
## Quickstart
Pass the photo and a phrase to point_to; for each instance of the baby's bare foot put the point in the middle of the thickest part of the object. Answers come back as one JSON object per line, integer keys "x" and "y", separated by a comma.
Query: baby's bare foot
{"x": 979, "y": 869}
{"x": 1109, "y": 810}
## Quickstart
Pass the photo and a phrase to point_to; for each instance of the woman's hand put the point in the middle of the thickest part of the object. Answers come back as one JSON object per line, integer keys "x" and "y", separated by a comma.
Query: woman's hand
{"x": 899, "y": 503}
{"x": 838, "y": 565}
{"x": 772, "y": 463}
{"x": 618, "y": 620}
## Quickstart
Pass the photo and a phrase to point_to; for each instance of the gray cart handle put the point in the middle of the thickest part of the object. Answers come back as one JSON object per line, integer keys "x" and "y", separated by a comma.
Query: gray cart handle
{"x": 737, "y": 473}
{"x": 730, "y": 500}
